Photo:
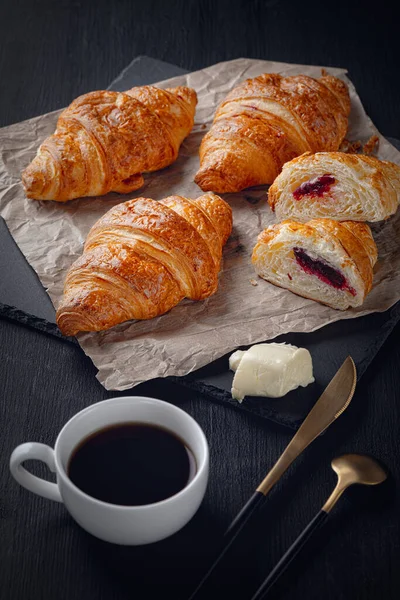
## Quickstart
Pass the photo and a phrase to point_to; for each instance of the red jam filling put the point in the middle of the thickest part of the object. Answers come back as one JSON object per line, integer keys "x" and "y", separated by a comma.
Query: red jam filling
{"x": 322, "y": 270}
{"x": 315, "y": 187}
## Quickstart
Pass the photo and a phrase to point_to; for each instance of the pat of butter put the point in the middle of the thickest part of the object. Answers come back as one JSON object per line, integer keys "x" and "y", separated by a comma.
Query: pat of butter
{"x": 270, "y": 370}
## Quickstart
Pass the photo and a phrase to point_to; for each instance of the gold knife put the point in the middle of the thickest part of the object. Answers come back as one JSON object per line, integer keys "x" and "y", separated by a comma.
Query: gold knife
{"x": 331, "y": 404}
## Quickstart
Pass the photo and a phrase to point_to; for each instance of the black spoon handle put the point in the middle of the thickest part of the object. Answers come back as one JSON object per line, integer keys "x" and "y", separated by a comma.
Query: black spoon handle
{"x": 231, "y": 534}
{"x": 289, "y": 555}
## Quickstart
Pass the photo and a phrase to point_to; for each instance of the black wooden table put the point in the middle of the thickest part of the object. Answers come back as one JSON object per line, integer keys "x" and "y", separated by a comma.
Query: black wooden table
{"x": 50, "y": 53}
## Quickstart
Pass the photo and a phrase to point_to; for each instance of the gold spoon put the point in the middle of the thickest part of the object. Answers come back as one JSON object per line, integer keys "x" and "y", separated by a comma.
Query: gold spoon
{"x": 350, "y": 469}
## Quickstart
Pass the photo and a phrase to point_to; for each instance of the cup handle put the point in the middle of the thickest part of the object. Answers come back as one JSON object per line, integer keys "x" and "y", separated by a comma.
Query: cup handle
{"x": 34, "y": 451}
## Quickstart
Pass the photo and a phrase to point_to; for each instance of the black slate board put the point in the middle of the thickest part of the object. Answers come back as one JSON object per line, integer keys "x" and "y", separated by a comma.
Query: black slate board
{"x": 23, "y": 298}
{"x": 144, "y": 70}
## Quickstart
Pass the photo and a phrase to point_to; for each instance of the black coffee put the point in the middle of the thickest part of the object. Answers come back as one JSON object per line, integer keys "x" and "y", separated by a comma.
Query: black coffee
{"x": 131, "y": 464}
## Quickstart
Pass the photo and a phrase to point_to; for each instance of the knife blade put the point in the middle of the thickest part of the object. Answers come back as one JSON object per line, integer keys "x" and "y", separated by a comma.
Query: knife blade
{"x": 330, "y": 405}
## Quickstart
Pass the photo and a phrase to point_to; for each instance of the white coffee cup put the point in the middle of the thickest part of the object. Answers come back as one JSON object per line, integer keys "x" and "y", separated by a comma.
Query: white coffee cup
{"x": 128, "y": 525}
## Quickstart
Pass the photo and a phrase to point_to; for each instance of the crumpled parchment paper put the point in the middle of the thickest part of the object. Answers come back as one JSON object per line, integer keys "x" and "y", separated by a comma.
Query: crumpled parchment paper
{"x": 51, "y": 236}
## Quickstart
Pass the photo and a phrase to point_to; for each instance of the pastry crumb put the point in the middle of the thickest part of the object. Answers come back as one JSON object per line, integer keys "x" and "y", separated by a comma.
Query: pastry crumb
{"x": 350, "y": 147}
{"x": 372, "y": 145}
{"x": 358, "y": 148}
{"x": 253, "y": 282}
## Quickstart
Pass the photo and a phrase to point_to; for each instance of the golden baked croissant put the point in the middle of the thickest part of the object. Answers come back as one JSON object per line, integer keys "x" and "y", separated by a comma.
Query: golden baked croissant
{"x": 337, "y": 186}
{"x": 323, "y": 260}
{"x": 266, "y": 121}
{"x": 142, "y": 258}
{"x": 104, "y": 141}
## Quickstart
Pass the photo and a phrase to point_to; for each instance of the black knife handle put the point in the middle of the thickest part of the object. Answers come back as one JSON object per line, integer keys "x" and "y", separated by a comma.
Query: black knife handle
{"x": 289, "y": 555}
{"x": 244, "y": 515}
{"x": 231, "y": 534}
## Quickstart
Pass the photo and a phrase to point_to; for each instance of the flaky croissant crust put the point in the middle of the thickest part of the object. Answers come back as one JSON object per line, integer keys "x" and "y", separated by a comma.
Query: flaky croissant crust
{"x": 265, "y": 122}
{"x": 105, "y": 140}
{"x": 142, "y": 258}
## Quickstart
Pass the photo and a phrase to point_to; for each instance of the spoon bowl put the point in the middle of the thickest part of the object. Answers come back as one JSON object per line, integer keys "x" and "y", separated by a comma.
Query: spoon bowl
{"x": 351, "y": 469}
{"x": 357, "y": 468}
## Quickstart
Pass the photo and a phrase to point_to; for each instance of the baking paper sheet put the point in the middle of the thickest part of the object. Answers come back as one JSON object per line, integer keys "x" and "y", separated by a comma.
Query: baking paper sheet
{"x": 51, "y": 236}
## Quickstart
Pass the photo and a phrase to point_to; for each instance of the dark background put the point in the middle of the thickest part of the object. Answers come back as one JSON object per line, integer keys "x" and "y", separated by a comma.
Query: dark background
{"x": 52, "y": 51}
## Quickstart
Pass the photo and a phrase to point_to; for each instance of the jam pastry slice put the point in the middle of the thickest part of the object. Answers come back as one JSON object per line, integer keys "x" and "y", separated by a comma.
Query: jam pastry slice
{"x": 336, "y": 186}
{"x": 322, "y": 260}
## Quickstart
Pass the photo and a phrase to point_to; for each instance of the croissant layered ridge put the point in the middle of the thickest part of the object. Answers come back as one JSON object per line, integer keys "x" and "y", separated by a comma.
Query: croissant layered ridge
{"x": 267, "y": 121}
{"x": 105, "y": 140}
{"x": 142, "y": 258}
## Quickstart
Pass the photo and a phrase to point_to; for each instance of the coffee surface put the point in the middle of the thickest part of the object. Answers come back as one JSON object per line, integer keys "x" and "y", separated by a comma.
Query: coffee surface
{"x": 131, "y": 464}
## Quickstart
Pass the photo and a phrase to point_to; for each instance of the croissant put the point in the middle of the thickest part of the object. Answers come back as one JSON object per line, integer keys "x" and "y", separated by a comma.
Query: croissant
{"x": 104, "y": 141}
{"x": 142, "y": 258}
{"x": 323, "y": 260}
{"x": 337, "y": 186}
{"x": 267, "y": 121}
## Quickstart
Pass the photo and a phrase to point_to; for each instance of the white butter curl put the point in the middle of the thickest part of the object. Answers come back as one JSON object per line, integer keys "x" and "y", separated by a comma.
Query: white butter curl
{"x": 270, "y": 370}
